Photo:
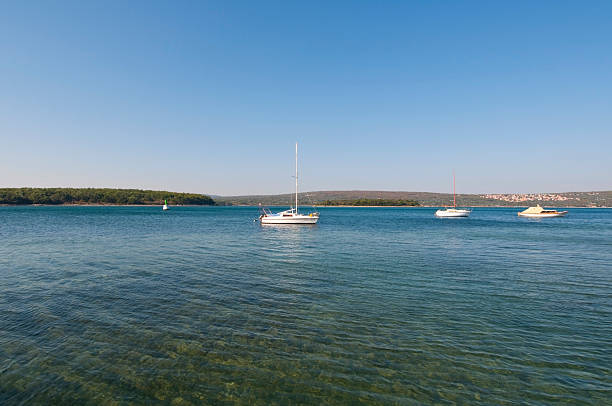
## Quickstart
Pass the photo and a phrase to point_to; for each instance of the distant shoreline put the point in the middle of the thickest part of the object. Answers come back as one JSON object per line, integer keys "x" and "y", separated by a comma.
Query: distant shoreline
{"x": 103, "y": 197}
{"x": 439, "y": 206}
{"x": 273, "y": 205}
{"x": 427, "y": 199}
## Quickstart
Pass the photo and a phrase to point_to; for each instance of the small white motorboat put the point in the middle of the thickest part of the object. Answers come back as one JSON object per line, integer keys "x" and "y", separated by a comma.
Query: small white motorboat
{"x": 165, "y": 207}
{"x": 454, "y": 211}
{"x": 291, "y": 216}
{"x": 540, "y": 212}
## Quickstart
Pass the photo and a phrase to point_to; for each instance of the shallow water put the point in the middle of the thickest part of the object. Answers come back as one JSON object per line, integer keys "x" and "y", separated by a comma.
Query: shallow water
{"x": 104, "y": 305}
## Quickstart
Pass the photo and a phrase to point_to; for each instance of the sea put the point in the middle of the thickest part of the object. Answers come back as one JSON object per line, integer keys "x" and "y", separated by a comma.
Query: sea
{"x": 377, "y": 306}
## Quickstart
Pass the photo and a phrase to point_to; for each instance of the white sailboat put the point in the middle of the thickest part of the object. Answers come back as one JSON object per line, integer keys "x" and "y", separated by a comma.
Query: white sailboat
{"x": 165, "y": 206}
{"x": 291, "y": 216}
{"x": 454, "y": 212}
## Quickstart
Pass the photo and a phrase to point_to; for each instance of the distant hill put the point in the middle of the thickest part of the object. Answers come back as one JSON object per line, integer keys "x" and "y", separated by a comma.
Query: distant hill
{"x": 369, "y": 202}
{"x": 24, "y": 196}
{"x": 568, "y": 199}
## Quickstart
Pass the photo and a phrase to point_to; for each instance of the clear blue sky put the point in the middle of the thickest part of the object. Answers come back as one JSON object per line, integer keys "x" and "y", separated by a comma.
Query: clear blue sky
{"x": 210, "y": 96}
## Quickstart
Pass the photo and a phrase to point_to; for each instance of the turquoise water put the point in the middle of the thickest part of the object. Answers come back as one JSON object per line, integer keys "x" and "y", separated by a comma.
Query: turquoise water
{"x": 112, "y": 305}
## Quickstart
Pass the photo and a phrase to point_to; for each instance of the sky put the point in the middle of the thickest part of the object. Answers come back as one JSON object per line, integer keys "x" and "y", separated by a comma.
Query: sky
{"x": 210, "y": 97}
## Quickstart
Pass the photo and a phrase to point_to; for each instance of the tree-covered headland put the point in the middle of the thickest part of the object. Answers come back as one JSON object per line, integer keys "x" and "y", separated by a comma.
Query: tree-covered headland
{"x": 22, "y": 196}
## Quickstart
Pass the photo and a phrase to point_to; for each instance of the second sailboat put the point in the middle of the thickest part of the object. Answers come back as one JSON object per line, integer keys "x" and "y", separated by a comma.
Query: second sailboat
{"x": 454, "y": 211}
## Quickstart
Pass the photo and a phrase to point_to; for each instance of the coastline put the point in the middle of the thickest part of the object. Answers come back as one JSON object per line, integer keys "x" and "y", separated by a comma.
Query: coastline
{"x": 480, "y": 207}
{"x": 281, "y": 205}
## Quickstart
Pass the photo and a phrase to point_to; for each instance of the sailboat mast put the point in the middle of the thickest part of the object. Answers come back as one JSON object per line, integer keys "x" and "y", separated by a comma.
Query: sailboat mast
{"x": 296, "y": 178}
{"x": 454, "y": 198}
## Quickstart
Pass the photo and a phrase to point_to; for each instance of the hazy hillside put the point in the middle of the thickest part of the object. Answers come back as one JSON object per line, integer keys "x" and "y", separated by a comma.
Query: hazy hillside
{"x": 569, "y": 199}
{"x": 347, "y": 197}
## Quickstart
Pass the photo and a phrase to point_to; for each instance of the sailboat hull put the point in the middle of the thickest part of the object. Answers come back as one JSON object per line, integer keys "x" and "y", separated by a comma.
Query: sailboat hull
{"x": 297, "y": 219}
{"x": 453, "y": 213}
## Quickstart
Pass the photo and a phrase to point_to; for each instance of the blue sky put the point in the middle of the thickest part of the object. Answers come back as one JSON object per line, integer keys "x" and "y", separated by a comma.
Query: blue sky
{"x": 211, "y": 96}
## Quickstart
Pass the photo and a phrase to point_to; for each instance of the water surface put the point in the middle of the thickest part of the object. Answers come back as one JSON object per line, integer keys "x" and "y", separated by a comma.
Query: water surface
{"x": 112, "y": 305}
